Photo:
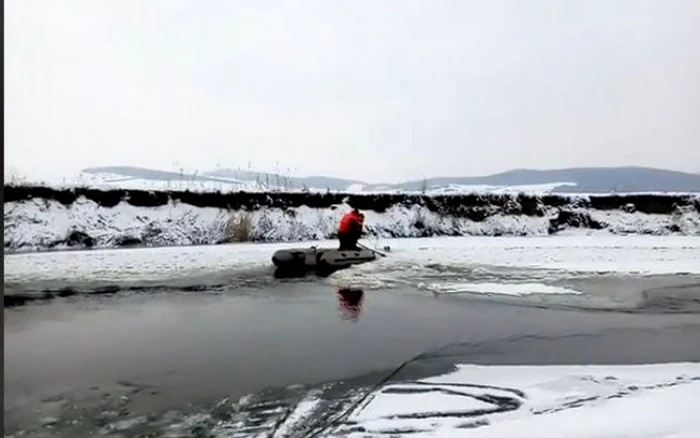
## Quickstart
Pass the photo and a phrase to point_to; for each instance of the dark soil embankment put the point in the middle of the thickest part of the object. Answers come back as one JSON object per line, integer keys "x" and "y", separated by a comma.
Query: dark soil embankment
{"x": 457, "y": 205}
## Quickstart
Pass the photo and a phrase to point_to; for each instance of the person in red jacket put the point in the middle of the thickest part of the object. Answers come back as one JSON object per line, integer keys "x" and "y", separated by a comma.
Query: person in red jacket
{"x": 350, "y": 229}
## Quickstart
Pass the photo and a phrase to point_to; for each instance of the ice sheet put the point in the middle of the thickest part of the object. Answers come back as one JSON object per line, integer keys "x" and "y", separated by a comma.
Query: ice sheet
{"x": 452, "y": 261}
{"x": 499, "y": 288}
{"x": 655, "y": 400}
{"x": 444, "y": 261}
{"x": 521, "y": 265}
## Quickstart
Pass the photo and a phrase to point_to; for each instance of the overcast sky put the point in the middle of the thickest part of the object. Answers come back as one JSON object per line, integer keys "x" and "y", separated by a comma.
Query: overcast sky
{"x": 377, "y": 90}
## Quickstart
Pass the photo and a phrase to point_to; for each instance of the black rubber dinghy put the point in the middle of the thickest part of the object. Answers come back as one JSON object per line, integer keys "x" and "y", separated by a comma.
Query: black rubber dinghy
{"x": 297, "y": 262}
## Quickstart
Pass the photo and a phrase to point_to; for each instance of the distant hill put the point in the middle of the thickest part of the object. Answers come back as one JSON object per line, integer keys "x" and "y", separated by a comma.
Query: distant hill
{"x": 321, "y": 182}
{"x": 132, "y": 172}
{"x": 241, "y": 179}
{"x": 582, "y": 180}
{"x": 570, "y": 180}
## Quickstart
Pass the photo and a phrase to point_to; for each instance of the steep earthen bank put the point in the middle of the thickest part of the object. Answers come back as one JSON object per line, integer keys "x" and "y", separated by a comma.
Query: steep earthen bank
{"x": 43, "y": 217}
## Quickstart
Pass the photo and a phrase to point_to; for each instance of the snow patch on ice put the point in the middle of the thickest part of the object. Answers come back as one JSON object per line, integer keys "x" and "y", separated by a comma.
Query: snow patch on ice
{"x": 499, "y": 288}
{"x": 579, "y": 401}
{"x": 520, "y": 265}
{"x": 543, "y": 401}
{"x": 301, "y": 413}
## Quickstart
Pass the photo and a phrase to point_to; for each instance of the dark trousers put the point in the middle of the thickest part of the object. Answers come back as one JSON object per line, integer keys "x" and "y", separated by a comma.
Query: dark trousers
{"x": 348, "y": 241}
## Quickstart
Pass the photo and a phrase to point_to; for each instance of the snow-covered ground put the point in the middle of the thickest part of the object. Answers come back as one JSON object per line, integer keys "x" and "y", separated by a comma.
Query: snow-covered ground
{"x": 194, "y": 181}
{"x": 473, "y": 188}
{"x": 40, "y": 224}
{"x": 187, "y": 180}
{"x": 658, "y": 400}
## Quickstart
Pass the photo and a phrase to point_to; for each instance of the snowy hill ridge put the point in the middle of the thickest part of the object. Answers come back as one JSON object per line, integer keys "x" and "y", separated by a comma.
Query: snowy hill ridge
{"x": 569, "y": 180}
{"x": 41, "y": 218}
{"x": 580, "y": 180}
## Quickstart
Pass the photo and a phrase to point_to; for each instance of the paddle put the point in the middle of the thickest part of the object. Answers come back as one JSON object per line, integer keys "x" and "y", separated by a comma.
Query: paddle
{"x": 371, "y": 249}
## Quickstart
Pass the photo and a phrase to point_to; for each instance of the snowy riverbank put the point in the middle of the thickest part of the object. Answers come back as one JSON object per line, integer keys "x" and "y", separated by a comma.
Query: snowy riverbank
{"x": 41, "y": 218}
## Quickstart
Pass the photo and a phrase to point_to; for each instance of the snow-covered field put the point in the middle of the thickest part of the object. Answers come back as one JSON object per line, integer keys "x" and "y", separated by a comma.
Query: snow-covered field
{"x": 189, "y": 181}
{"x": 192, "y": 181}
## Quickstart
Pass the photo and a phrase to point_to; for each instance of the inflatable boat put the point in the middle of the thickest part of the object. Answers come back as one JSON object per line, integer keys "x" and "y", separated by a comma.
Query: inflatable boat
{"x": 322, "y": 261}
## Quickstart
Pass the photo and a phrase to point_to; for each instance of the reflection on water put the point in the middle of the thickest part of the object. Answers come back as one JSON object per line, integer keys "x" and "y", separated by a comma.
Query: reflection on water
{"x": 350, "y": 303}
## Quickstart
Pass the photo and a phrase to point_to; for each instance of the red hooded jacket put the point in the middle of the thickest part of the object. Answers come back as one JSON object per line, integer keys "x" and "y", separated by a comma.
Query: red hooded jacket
{"x": 351, "y": 222}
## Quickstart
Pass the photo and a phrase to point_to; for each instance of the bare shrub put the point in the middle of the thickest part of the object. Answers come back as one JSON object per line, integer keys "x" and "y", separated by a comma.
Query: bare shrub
{"x": 239, "y": 227}
{"x": 419, "y": 219}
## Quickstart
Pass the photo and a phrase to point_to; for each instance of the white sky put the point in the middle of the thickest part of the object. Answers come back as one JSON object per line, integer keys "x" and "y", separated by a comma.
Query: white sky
{"x": 377, "y": 90}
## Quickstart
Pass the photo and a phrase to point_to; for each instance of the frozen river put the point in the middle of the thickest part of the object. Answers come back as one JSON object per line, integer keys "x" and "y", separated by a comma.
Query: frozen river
{"x": 189, "y": 340}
